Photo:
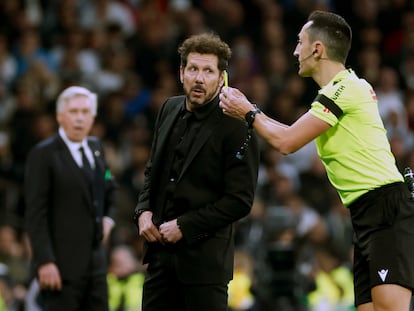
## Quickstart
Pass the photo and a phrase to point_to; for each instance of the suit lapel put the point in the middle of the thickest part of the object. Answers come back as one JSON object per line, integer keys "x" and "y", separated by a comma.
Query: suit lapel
{"x": 164, "y": 130}
{"x": 66, "y": 157}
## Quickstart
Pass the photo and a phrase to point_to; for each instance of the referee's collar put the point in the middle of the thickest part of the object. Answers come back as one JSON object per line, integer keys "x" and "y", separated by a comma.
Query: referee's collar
{"x": 342, "y": 75}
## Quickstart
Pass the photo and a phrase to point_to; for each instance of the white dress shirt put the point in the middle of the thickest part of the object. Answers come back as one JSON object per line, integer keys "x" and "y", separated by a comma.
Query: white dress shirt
{"x": 74, "y": 149}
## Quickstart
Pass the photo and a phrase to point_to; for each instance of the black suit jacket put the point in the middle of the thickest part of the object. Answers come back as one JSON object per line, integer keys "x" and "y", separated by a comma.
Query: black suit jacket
{"x": 61, "y": 210}
{"x": 214, "y": 190}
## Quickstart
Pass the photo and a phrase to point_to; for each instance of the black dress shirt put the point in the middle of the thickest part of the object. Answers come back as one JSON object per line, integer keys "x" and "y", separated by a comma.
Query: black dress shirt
{"x": 179, "y": 144}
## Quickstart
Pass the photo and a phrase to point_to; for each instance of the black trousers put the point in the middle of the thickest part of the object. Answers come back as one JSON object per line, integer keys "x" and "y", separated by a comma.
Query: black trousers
{"x": 163, "y": 291}
{"x": 383, "y": 222}
{"x": 89, "y": 293}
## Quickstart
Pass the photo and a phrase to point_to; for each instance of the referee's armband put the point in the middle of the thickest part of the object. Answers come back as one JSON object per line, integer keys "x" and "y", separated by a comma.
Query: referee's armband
{"x": 330, "y": 104}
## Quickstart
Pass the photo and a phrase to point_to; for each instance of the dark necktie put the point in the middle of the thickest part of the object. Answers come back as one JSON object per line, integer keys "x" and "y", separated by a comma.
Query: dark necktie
{"x": 86, "y": 165}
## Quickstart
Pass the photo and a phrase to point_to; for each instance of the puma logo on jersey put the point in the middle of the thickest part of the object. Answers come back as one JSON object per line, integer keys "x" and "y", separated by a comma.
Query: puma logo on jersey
{"x": 383, "y": 274}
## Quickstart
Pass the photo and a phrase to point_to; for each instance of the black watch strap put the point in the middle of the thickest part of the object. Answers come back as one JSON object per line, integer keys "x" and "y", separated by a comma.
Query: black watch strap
{"x": 251, "y": 115}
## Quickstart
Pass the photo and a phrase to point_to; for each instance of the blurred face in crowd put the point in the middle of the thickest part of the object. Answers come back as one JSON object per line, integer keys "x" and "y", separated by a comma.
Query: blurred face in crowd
{"x": 76, "y": 118}
{"x": 304, "y": 51}
{"x": 201, "y": 79}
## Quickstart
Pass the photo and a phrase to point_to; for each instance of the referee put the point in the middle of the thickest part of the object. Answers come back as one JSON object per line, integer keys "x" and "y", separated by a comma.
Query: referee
{"x": 351, "y": 141}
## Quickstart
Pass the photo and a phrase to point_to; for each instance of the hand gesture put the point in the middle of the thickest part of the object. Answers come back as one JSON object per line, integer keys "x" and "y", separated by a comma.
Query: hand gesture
{"x": 147, "y": 229}
{"x": 170, "y": 231}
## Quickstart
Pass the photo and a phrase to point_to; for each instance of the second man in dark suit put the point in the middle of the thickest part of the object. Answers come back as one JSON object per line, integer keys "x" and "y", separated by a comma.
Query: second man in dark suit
{"x": 196, "y": 187}
{"x": 69, "y": 195}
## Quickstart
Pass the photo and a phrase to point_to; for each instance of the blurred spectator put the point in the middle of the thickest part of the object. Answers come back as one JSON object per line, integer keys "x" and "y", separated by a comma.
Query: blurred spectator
{"x": 259, "y": 91}
{"x": 393, "y": 112}
{"x": 33, "y": 299}
{"x": 8, "y": 64}
{"x": 401, "y": 44}
{"x": 234, "y": 24}
{"x": 279, "y": 180}
{"x": 390, "y": 101}
{"x": 114, "y": 72}
{"x": 74, "y": 60}
{"x": 191, "y": 22}
{"x": 282, "y": 106}
{"x": 59, "y": 19}
{"x": 334, "y": 284}
{"x": 407, "y": 71}
{"x": 100, "y": 13}
{"x": 6, "y": 294}
{"x": 239, "y": 288}
{"x": 11, "y": 12}
{"x": 153, "y": 46}
{"x": 315, "y": 187}
{"x": 14, "y": 260}
{"x": 273, "y": 32}
{"x": 22, "y": 137}
{"x": 244, "y": 64}
{"x": 8, "y": 106}
{"x": 276, "y": 67}
{"x": 43, "y": 82}
{"x": 125, "y": 280}
{"x": 279, "y": 284}
{"x": 137, "y": 97}
{"x": 368, "y": 63}
{"x": 29, "y": 50}
{"x": 112, "y": 112}
{"x": 365, "y": 13}
{"x": 130, "y": 183}
{"x": 249, "y": 231}
{"x": 338, "y": 230}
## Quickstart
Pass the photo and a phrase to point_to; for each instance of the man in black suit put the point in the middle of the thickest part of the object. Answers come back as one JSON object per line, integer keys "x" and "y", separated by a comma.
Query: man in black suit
{"x": 69, "y": 208}
{"x": 196, "y": 187}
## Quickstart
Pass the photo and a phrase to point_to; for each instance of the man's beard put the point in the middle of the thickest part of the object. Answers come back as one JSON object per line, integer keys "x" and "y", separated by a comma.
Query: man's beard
{"x": 202, "y": 100}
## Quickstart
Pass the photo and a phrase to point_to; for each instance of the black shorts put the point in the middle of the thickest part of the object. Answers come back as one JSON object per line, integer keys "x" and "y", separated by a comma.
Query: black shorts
{"x": 383, "y": 222}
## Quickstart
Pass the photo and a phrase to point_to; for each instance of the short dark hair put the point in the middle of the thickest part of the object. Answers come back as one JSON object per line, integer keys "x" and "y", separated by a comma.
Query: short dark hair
{"x": 333, "y": 31}
{"x": 206, "y": 43}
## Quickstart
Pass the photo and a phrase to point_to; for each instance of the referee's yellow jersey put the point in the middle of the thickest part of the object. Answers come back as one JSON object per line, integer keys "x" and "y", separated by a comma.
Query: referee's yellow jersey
{"x": 355, "y": 150}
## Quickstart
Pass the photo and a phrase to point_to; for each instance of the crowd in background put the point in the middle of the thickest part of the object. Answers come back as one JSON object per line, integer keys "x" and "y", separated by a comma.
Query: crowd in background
{"x": 297, "y": 239}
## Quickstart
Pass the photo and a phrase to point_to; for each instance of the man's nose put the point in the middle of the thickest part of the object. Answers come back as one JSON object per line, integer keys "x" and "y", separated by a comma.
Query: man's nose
{"x": 200, "y": 77}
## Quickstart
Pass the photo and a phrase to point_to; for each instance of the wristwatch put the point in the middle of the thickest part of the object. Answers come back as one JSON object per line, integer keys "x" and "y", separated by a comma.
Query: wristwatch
{"x": 251, "y": 115}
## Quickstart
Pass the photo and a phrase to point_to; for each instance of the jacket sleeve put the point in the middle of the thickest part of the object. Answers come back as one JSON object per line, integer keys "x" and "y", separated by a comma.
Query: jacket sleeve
{"x": 37, "y": 186}
{"x": 144, "y": 196}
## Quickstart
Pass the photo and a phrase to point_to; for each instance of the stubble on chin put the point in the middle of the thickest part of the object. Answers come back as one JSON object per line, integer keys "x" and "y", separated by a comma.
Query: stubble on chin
{"x": 194, "y": 103}
{"x": 199, "y": 101}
